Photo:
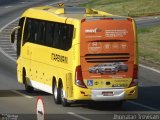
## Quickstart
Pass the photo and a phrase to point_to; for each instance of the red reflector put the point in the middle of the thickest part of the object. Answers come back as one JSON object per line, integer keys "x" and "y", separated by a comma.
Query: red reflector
{"x": 79, "y": 78}
{"x": 135, "y": 76}
{"x": 135, "y": 72}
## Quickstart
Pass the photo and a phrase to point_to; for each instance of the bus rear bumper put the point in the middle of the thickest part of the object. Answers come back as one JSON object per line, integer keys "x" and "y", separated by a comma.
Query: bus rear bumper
{"x": 114, "y": 94}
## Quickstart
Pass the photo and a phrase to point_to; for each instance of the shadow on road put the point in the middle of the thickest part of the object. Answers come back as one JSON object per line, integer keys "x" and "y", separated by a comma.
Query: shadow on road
{"x": 34, "y": 93}
{"x": 148, "y": 96}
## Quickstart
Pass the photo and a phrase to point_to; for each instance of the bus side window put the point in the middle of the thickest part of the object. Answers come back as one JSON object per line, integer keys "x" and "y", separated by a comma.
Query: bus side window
{"x": 19, "y": 36}
{"x": 50, "y": 34}
{"x": 56, "y": 35}
{"x": 69, "y": 36}
{"x": 64, "y": 36}
{"x": 27, "y": 31}
{"x": 34, "y": 31}
{"x": 41, "y": 33}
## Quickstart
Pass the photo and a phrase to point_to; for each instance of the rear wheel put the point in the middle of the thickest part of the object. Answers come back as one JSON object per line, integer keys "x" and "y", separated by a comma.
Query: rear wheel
{"x": 64, "y": 101}
{"x": 28, "y": 88}
{"x": 56, "y": 94}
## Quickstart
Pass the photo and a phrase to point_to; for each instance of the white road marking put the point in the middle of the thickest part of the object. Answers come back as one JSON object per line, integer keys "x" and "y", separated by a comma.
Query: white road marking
{"x": 12, "y": 54}
{"x": 2, "y": 51}
{"x": 8, "y": 6}
{"x": 4, "y": 44}
{"x": 141, "y": 105}
{"x": 78, "y": 116}
{"x": 19, "y": 93}
{"x": 8, "y": 50}
{"x": 5, "y": 40}
{"x": 149, "y": 68}
{"x": 8, "y": 24}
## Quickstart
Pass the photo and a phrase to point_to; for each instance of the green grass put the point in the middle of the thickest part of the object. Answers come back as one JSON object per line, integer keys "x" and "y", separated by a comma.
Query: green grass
{"x": 149, "y": 44}
{"x": 126, "y": 7}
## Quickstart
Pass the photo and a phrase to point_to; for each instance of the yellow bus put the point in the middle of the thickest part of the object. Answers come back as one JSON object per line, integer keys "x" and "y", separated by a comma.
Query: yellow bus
{"x": 77, "y": 54}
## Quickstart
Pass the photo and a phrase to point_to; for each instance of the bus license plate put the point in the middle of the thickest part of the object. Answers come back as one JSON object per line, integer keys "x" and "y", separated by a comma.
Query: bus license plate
{"x": 107, "y": 93}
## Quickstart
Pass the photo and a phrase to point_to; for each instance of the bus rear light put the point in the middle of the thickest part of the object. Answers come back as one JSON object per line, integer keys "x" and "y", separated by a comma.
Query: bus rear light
{"x": 135, "y": 72}
{"x": 134, "y": 82}
{"x": 135, "y": 76}
{"x": 79, "y": 78}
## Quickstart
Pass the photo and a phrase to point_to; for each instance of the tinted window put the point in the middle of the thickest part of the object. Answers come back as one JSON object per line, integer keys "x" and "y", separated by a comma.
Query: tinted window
{"x": 19, "y": 36}
{"x": 52, "y": 34}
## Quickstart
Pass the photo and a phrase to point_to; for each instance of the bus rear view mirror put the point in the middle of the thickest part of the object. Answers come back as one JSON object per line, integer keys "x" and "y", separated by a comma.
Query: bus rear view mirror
{"x": 13, "y": 33}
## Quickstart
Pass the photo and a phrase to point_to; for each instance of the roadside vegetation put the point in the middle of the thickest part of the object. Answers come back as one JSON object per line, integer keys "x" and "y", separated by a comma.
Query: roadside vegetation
{"x": 132, "y": 8}
{"x": 149, "y": 38}
{"x": 149, "y": 44}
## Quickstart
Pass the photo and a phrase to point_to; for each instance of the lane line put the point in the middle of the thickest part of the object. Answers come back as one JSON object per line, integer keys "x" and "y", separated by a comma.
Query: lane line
{"x": 8, "y": 24}
{"x": 3, "y": 45}
{"x": 2, "y": 51}
{"x": 78, "y": 116}
{"x": 13, "y": 54}
{"x": 1, "y": 29}
{"x": 19, "y": 93}
{"x": 141, "y": 105}
{"x": 149, "y": 68}
{"x": 8, "y": 6}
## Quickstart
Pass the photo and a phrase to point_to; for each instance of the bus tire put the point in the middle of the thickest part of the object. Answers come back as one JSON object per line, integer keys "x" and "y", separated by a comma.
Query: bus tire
{"x": 56, "y": 93}
{"x": 28, "y": 88}
{"x": 64, "y": 101}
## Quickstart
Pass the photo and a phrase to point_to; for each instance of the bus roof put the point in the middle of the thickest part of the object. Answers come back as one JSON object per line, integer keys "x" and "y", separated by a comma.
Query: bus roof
{"x": 48, "y": 12}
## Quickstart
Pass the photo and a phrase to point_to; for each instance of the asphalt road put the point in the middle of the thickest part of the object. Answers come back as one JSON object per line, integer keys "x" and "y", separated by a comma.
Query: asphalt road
{"x": 15, "y": 101}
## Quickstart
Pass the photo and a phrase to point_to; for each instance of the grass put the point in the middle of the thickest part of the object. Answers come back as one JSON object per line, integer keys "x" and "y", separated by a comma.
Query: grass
{"x": 126, "y": 7}
{"x": 149, "y": 44}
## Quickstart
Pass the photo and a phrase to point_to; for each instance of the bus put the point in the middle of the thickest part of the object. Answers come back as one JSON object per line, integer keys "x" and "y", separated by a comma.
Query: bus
{"x": 77, "y": 54}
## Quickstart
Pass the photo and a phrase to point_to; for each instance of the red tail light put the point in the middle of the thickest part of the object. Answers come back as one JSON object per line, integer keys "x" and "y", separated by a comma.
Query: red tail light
{"x": 79, "y": 78}
{"x": 135, "y": 76}
{"x": 135, "y": 72}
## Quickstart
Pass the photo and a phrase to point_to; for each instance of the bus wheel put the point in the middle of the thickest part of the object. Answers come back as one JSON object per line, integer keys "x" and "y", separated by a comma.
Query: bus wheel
{"x": 64, "y": 101}
{"x": 56, "y": 94}
{"x": 28, "y": 88}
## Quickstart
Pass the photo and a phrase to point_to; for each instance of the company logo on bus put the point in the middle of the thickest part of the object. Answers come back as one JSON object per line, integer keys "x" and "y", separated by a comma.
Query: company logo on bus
{"x": 94, "y": 47}
{"x": 93, "y": 30}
